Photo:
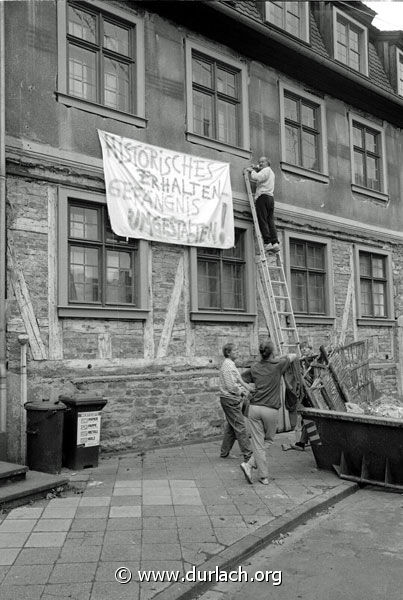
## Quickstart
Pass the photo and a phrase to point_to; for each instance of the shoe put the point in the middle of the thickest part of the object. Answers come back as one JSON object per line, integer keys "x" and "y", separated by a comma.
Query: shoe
{"x": 264, "y": 481}
{"x": 247, "y": 471}
{"x": 252, "y": 462}
{"x": 275, "y": 247}
{"x": 268, "y": 247}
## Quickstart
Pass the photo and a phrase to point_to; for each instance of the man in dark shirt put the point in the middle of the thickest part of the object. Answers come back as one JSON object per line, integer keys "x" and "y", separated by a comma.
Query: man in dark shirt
{"x": 264, "y": 404}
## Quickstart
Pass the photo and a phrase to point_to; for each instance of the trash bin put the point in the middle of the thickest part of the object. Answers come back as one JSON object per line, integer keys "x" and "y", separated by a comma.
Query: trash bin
{"x": 82, "y": 428}
{"x": 45, "y": 435}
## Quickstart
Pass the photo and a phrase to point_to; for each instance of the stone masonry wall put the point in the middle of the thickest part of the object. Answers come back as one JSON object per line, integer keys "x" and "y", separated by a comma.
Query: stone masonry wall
{"x": 154, "y": 401}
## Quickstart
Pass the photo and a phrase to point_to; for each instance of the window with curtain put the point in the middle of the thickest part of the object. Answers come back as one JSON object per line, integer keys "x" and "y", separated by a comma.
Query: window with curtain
{"x": 302, "y": 127}
{"x": 221, "y": 277}
{"x": 350, "y": 42}
{"x": 308, "y": 277}
{"x": 293, "y": 17}
{"x": 100, "y": 58}
{"x": 102, "y": 267}
{"x": 367, "y": 150}
{"x": 216, "y": 98}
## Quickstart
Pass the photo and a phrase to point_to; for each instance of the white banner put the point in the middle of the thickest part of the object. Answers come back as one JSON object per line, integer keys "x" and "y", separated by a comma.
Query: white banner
{"x": 165, "y": 196}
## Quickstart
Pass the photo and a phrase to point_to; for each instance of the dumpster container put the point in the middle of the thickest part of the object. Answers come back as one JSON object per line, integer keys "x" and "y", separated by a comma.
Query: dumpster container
{"x": 82, "y": 428}
{"x": 362, "y": 448}
{"x": 45, "y": 435}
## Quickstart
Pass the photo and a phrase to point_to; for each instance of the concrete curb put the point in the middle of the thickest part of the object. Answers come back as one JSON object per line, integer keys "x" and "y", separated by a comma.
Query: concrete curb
{"x": 239, "y": 551}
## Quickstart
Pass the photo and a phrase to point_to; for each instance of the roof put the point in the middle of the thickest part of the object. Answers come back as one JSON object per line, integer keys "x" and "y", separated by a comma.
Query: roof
{"x": 377, "y": 73}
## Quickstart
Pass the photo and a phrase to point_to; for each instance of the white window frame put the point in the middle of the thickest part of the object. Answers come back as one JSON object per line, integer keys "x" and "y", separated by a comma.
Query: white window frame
{"x": 62, "y": 94}
{"x": 389, "y": 320}
{"x": 244, "y": 149}
{"x": 140, "y": 312}
{"x": 304, "y": 15}
{"x": 247, "y": 316}
{"x": 322, "y": 175}
{"x": 399, "y": 61}
{"x": 363, "y": 40}
{"x": 328, "y": 318}
{"x": 358, "y": 189}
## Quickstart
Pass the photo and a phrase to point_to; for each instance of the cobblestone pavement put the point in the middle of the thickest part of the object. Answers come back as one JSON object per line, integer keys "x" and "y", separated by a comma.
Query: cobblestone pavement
{"x": 169, "y": 509}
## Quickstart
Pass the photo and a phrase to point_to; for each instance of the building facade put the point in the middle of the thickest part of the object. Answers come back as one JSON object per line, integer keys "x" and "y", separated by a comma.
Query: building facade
{"x": 314, "y": 86}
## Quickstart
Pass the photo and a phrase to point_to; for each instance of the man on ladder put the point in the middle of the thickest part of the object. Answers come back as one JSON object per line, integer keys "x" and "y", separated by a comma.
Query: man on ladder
{"x": 264, "y": 178}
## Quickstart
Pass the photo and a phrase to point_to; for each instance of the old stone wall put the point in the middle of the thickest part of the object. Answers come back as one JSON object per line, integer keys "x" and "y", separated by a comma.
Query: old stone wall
{"x": 151, "y": 400}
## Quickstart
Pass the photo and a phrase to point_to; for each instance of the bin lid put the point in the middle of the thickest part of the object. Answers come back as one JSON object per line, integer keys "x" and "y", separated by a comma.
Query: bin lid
{"x": 83, "y": 400}
{"x": 45, "y": 405}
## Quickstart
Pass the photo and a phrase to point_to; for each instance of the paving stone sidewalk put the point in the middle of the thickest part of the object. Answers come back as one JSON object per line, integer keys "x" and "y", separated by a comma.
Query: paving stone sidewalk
{"x": 168, "y": 509}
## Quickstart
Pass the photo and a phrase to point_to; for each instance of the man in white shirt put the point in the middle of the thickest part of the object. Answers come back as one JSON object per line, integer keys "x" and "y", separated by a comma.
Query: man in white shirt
{"x": 264, "y": 178}
{"x": 233, "y": 389}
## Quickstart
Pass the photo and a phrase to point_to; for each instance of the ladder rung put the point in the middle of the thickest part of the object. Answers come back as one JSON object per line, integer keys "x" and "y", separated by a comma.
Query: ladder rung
{"x": 284, "y": 312}
{"x": 281, "y": 297}
{"x": 288, "y": 329}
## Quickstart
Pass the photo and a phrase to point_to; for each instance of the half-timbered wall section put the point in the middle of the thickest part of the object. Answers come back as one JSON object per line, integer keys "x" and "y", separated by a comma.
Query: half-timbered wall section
{"x": 143, "y": 323}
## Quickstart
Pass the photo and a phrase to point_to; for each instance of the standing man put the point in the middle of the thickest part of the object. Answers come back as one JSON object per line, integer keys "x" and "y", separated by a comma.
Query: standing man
{"x": 264, "y": 405}
{"x": 233, "y": 389}
{"x": 264, "y": 178}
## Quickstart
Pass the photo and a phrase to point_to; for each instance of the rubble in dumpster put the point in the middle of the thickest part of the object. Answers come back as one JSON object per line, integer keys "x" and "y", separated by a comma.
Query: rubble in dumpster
{"x": 340, "y": 379}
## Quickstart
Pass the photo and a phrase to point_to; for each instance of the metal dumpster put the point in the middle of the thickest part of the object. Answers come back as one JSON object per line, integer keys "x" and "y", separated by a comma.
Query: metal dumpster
{"x": 361, "y": 448}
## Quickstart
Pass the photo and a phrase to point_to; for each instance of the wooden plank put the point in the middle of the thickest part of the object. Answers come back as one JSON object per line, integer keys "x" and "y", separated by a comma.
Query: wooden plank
{"x": 23, "y": 298}
{"x": 148, "y": 332}
{"x": 346, "y": 311}
{"x": 190, "y": 341}
{"x": 172, "y": 311}
{"x": 105, "y": 345}
{"x": 55, "y": 344}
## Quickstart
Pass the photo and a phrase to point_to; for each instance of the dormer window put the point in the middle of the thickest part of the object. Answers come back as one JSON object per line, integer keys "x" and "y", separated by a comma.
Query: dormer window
{"x": 399, "y": 72}
{"x": 350, "y": 42}
{"x": 292, "y": 17}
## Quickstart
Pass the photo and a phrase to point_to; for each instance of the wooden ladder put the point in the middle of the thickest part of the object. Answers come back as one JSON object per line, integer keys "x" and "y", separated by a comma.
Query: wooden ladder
{"x": 273, "y": 290}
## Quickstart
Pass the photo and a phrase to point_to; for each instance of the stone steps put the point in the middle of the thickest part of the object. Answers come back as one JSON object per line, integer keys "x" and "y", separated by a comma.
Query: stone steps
{"x": 19, "y": 485}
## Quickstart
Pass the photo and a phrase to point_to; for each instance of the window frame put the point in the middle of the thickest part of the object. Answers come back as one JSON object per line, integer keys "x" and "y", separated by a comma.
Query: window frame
{"x": 388, "y": 320}
{"x": 81, "y": 310}
{"x": 245, "y": 316}
{"x": 243, "y": 149}
{"x": 399, "y": 66}
{"x": 381, "y": 195}
{"x": 321, "y": 176}
{"x": 329, "y": 316}
{"x": 137, "y": 96}
{"x": 304, "y": 16}
{"x": 363, "y": 41}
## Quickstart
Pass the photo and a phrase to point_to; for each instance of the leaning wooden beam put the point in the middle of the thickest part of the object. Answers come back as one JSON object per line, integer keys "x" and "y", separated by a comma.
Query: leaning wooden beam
{"x": 172, "y": 311}
{"x": 21, "y": 292}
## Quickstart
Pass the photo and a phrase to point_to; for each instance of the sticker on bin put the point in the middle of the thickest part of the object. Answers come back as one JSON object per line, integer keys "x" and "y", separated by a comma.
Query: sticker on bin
{"x": 88, "y": 428}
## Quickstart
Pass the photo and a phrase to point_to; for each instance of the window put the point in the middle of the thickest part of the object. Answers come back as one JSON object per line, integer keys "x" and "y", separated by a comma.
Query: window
{"x": 99, "y": 270}
{"x": 374, "y": 285}
{"x": 308, "y": 277}
{"x": 303, "y": 133}
{"x": 399, "y": 72}
{"x": 350, "y": 42}
{"x": 216, "y": 100}
{"x": 221, "y": 276}
{"x": 101, "y": 264}
{"x": 368, "y": 158}
{"x": 222, "y": 280}
{"x": 101, "y": 60}
{"x": 293, "y": 17}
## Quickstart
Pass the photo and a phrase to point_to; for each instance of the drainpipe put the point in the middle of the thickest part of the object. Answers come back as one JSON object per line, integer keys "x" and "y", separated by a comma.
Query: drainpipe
{"x": 3, "y": 351}
{"x": 23, "y": 341}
